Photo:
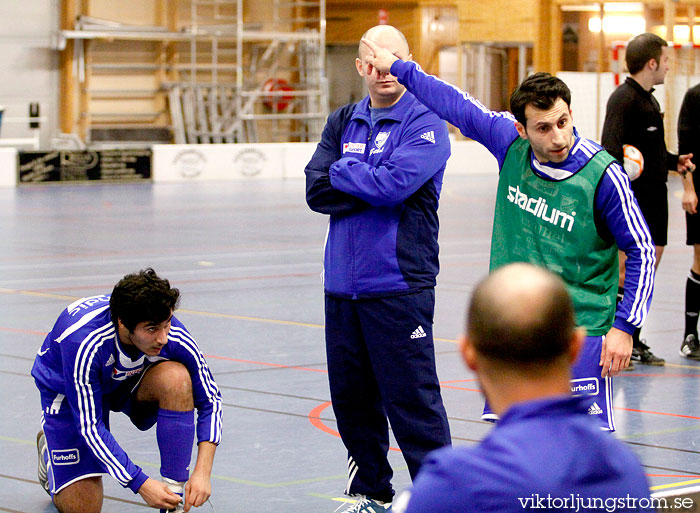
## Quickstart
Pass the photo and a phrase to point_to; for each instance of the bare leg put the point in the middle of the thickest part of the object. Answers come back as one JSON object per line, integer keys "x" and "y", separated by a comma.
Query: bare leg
{"x": 659, "y": 254}
{"x": 84, "y": 496}
{"x": 169, "y": 385}
{"x": 696, "y": 259}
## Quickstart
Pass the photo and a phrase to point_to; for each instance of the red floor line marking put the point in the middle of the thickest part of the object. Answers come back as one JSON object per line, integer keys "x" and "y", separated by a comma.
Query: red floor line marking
{"x": 461, "y": 388}
{"x": 323, "y": 371}
{"x": 28, "y": 332}
{"x": 315, "y": 419}
{"x": 175, "y": 282}
{"x": 662, "y": 375}
{"x": 671, "y": 475}
{"x": 267, "y": 364}
{"x": 657, "y": 413}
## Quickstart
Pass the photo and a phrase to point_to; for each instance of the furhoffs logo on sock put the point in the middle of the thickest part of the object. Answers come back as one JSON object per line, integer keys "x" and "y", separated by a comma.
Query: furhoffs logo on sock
{"x": 65, "y": 457}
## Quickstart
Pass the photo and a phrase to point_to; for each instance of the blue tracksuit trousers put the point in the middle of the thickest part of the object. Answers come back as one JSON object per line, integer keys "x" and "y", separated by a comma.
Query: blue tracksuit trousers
{"x": 381, "y": 364}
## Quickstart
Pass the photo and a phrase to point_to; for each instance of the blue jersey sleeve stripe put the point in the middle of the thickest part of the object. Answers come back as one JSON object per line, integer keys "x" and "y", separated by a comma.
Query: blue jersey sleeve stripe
{"x": 643, "y": 288}
{"x": 208, "y": 386}
{"x": 87, "y": 403}
{"x": 637, "y": 228}
{"x": 87, "y": 409}
{"x": 191, "y": 346}
{"x": 206, "y": 379}
{"x": 495, "y": 130}
{"x": 210, "y": 389}
{"x": 468, "y": 97}
{"x": 82, "y": 322}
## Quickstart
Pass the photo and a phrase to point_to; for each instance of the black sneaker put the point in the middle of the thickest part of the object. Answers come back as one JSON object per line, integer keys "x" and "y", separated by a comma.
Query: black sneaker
{"x": 690, "y": 348}
{"x": 643, "y": 354}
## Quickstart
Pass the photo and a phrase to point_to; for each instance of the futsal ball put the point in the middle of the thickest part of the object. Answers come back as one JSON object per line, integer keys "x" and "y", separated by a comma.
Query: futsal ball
{"x": 633, "y": 161}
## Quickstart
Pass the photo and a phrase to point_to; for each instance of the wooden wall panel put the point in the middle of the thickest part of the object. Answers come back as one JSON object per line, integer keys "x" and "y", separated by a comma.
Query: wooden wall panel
{"x": 428, "y": 26}
{"x": 439, "y": 29}
{"x": 346, "y": 23}
{"x": 133, "y": 12}
{"x": 67, "y": 109}
{"x": 497, "y": 20}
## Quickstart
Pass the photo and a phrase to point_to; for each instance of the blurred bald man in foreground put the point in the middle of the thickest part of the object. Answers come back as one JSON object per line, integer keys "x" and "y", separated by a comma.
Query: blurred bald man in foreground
{"x": 546, "y": 452}
{"x": 377, "y": 173}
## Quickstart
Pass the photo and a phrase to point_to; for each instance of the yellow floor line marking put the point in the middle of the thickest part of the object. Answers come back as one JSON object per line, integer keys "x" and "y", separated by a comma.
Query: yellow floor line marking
{"x": 662, "y": 432}
{"x": 681, "y": 366}
{"x": 343, "y": 499}
{"x": 253, "y": 319}
{"x": 249, "y": 318}
{"x": 38, "y": 294}
{"x": 672, "y": 485}
{"x": 197, "y": 312}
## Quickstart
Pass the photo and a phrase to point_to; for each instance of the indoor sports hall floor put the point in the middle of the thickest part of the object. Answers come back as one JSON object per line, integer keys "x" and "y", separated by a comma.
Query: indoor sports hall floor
{"x": 247, "y": 258}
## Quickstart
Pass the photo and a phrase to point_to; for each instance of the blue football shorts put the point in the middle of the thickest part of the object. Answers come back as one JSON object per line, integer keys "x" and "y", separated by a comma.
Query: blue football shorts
{"x": 70, "y": 458}
{"x": 586, "y": 381}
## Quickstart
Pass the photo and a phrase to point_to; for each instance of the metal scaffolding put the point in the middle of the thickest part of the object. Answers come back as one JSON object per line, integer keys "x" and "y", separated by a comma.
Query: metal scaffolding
{"x": 227, "y": 77}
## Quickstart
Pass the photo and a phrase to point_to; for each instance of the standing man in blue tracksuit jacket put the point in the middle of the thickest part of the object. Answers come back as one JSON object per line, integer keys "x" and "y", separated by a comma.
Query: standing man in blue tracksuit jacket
{"x": 562, "y": 203}
{"x": 378, "y": 173}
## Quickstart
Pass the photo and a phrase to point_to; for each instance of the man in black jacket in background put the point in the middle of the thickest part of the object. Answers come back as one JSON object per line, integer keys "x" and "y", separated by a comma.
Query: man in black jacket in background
{"x": 633, "y": 116}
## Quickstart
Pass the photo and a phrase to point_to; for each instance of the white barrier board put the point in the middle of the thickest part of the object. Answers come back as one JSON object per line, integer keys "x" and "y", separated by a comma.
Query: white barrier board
{"x": 470, "y": 158}
{"x": 226, "y": 162}
{"x": 8, "y": 167}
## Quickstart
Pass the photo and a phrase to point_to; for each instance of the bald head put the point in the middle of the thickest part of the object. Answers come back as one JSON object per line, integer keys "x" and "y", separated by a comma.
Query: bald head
{"x": 387, "y": 37}
{"x": 521, "y": 314}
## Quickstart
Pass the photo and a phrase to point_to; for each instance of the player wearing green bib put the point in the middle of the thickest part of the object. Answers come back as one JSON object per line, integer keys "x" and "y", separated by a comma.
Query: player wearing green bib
{"x": 562, "y": 203}
{"x": 551, "y": 224}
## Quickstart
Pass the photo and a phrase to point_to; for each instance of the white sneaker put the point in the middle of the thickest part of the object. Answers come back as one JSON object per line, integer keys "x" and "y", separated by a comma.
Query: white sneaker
{"x": 178, "y": 488}
{"x": 42, "y": 472}
{"x": 366, "y": 505}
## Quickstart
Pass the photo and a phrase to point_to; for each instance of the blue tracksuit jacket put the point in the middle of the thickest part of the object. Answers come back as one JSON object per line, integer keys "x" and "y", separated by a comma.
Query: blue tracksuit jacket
{"x": 380, "y": 181}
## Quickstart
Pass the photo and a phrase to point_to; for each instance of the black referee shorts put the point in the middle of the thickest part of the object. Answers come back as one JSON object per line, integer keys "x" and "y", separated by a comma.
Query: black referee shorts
{"x": 653, "y": 202}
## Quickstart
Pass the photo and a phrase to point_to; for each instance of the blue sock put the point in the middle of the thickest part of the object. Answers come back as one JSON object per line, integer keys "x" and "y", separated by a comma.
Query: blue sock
{"x": 175, "y": 436}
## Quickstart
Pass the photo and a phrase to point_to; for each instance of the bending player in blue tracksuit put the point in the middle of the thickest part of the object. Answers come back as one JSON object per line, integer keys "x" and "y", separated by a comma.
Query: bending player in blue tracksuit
{"x": 378, "y": 173}
{"x": 125, "y": 352}
{"x": 563, "y": 203}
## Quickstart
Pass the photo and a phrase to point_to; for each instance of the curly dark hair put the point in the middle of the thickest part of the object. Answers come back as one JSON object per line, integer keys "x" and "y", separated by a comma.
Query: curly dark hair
{"x": 540, "y": 90}
{"x": 143, "y": 297}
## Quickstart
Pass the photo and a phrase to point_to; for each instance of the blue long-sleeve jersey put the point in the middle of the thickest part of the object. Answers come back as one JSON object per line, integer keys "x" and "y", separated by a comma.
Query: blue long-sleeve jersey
{"x": 616, "y": 211}
{"x": 540, "y": 453}
{"x": 379, "y": 175}
{"x": 82, "y": 361}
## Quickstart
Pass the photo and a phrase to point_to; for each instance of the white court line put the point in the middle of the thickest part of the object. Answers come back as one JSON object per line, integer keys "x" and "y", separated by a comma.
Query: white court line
{"x": 172, "y": 275}
{"x": 154, "y": 258}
